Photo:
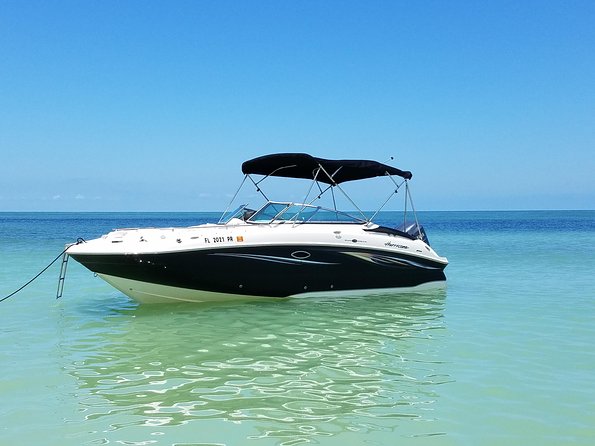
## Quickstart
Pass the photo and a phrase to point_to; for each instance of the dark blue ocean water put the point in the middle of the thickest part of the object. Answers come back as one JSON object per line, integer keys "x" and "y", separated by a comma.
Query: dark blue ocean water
{"x": 504, "y": 355}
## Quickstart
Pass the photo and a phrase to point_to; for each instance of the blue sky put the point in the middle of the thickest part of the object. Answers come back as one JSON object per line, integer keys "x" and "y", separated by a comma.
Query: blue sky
{"x": 153, "y": 105}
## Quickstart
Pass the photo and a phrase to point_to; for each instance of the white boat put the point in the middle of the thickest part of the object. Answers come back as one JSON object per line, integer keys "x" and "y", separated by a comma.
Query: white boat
{"x": 282, "y": 249}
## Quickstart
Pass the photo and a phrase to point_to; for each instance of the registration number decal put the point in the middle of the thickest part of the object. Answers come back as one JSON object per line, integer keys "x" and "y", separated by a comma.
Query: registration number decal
{"x": 219, "y": 239}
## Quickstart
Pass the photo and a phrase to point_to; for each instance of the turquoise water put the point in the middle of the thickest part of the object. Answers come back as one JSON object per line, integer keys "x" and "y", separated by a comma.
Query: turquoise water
{"x": 504, "y": 355}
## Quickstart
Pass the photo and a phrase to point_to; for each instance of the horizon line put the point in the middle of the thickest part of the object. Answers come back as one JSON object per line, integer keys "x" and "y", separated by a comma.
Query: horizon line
{"x": 222, "y": 211}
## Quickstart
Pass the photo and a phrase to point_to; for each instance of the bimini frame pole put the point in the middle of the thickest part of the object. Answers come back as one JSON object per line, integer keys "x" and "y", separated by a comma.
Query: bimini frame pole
{"x": 408, "y": 194}
{"x": 314, "y": 181}
{"x": 398, "y": 186}
{"x": 343, "y": 192}
{"x": 233, "y": 199}
{"x": 258, "y": 189}
{"x": 310, "y": 188}
{"x": 256, "y": 183}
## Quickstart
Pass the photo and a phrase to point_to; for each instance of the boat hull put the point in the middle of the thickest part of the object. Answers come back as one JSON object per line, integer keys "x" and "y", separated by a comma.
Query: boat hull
{"x": 259, "y": 271}
{"x": 152, "y": 293}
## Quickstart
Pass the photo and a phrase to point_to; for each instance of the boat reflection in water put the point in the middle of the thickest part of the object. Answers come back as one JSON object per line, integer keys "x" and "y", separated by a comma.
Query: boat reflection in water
{"x": 304, "y": 371}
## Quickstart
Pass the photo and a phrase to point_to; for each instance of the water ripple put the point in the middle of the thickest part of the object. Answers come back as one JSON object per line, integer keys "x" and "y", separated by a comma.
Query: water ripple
{"x": 291, "y": 371}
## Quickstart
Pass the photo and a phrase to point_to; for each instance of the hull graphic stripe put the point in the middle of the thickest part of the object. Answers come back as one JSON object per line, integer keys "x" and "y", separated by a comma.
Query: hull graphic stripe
{"x": 274, "y": 259}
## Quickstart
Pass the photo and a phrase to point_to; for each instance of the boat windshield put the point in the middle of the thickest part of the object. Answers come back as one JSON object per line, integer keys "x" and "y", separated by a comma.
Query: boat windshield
{"x": 300, "y": 213}
{"x": 241, "y": 212}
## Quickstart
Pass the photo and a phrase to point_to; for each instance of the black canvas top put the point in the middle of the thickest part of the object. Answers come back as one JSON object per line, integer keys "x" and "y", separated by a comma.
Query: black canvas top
{"x": 302, "y": 165}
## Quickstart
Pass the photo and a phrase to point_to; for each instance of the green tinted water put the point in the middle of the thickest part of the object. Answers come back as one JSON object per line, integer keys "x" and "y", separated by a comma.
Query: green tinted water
{"x": 503, "y": 356}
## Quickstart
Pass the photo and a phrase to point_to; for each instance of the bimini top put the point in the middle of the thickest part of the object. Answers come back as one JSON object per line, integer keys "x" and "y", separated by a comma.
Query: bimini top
{"x": 302, "y": 165}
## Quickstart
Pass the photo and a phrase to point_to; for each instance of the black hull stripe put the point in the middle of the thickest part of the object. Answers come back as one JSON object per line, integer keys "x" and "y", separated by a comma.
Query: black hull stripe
{"x": 269, "y": 271}
{"x": 274, "y": 259}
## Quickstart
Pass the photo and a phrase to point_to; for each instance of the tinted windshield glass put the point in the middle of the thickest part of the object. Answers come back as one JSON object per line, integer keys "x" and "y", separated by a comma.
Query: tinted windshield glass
{"x": 301, "y": 213}
{"x": 269, "y": 212}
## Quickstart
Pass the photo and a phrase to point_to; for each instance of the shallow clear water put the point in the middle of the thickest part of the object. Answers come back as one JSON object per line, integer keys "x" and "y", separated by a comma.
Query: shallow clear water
{"x": 504, "y": 355}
